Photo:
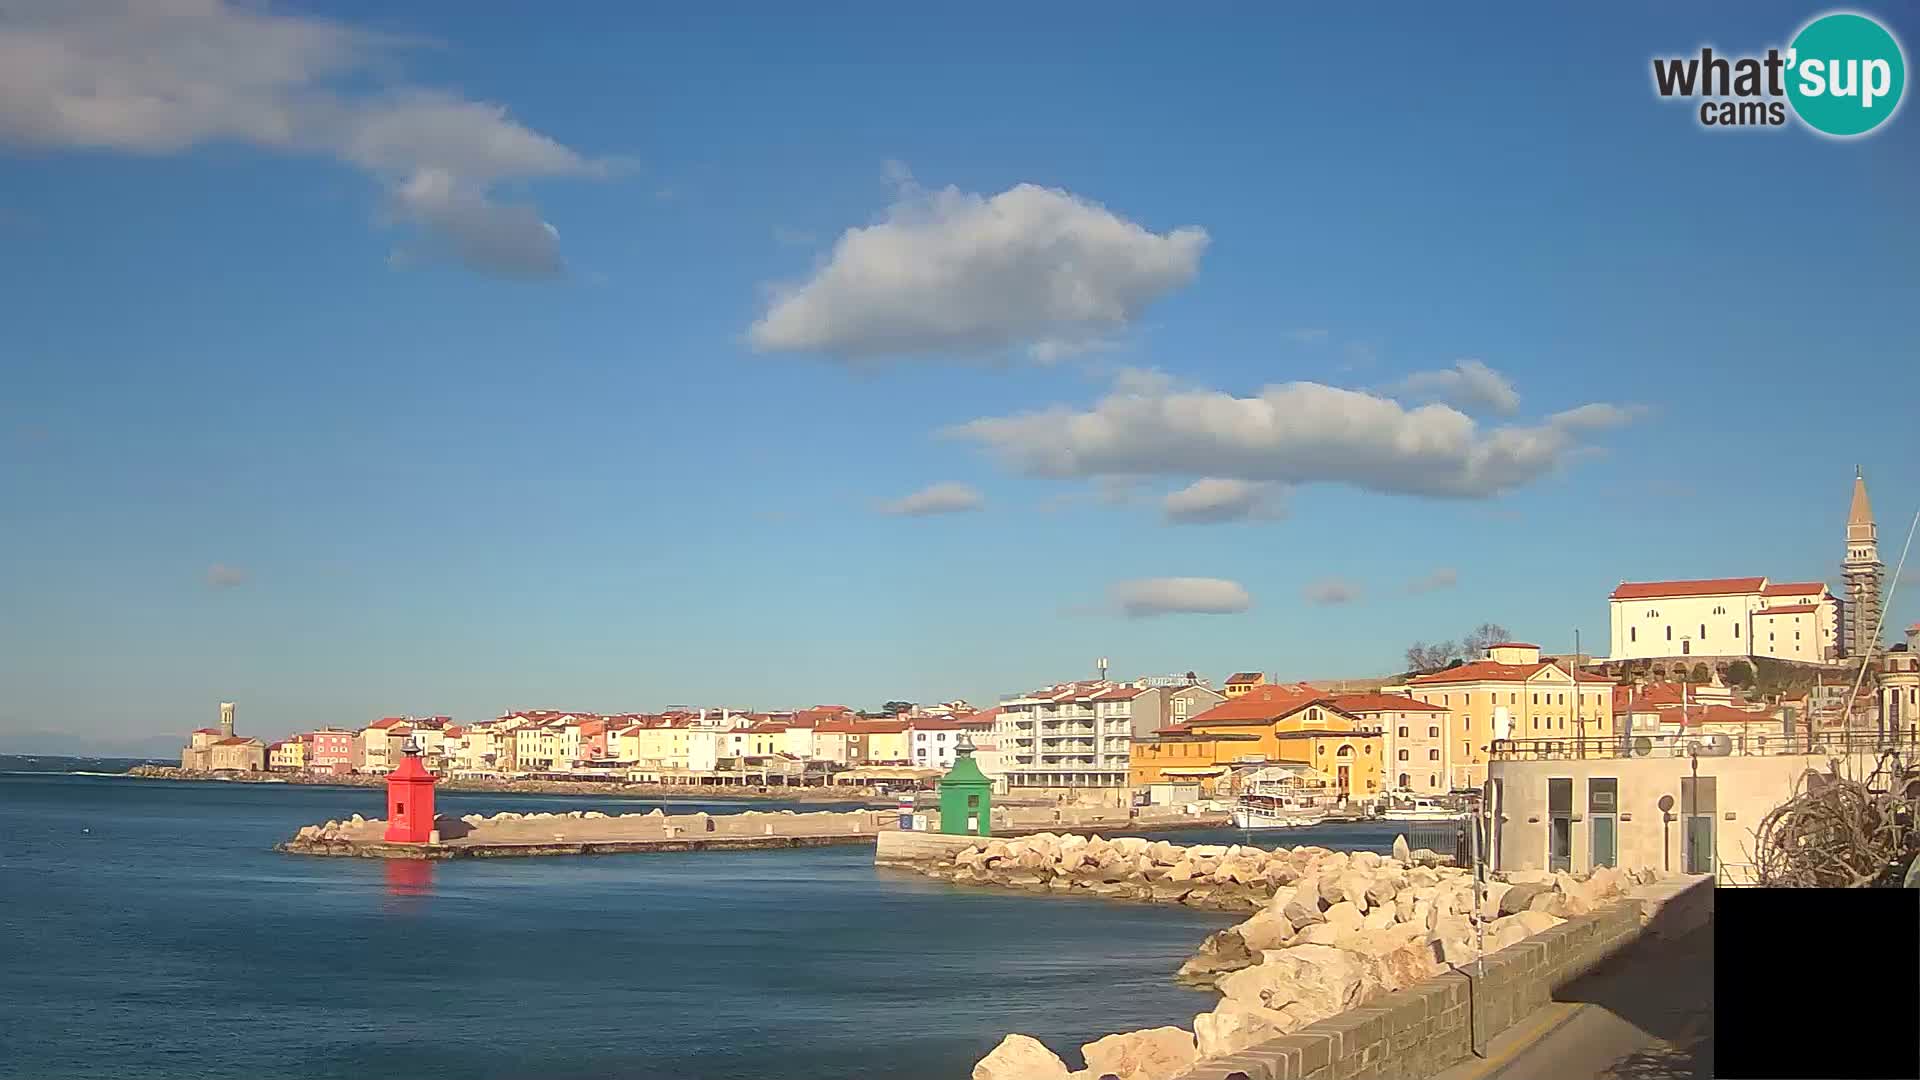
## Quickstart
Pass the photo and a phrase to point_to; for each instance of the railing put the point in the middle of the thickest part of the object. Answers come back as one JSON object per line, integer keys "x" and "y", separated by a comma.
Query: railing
{"x": 1835, "y": 743}
{"x": 1736, "y": 875}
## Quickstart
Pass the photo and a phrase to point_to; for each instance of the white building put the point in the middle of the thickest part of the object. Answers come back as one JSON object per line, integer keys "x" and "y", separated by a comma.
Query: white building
{"x": 1724, "y": 617}
{"x": 931, "y": 740}
{"x": 1069, "y": 739}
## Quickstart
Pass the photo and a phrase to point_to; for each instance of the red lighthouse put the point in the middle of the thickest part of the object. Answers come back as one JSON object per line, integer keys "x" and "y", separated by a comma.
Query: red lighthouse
{"x": 410, "y": 800}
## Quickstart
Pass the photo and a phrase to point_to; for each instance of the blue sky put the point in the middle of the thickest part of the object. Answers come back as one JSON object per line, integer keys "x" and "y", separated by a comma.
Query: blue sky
{"x": 304, "y": 406}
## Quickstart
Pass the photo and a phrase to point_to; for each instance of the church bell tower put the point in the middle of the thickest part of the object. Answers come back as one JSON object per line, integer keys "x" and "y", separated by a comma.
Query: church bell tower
{"x": 1863, "y": 572}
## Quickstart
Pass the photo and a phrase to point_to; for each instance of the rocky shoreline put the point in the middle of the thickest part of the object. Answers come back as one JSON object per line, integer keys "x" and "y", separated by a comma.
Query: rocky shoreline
{"x": 527, "y": 787}
{"x": 1329, "y": 931}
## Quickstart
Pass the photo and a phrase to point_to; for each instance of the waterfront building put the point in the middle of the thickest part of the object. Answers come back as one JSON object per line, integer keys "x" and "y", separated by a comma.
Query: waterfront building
{"x": 1864, "y": 575}
{"x": 887, "y": 742}
{"x": 1165, "y": 702}
{"x": 1240, "y": 682}
{"x": 237, "y": 754}
{"x": 197, "y": 754}
{"x": 288, "y": 755}
{"x": 1299, "y": 724}
{"x": 1414, "y": 737}
{"x": 1678, "y": 801}
{"x": 1510, "y": 693}
{"x": 935, "y": 742}
{"x": 1069, "y": 740}
{"x": 330, "y": 750}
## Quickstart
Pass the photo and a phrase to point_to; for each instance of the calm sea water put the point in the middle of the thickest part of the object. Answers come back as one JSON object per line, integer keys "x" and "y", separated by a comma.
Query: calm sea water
{"x": 147, "y": 930}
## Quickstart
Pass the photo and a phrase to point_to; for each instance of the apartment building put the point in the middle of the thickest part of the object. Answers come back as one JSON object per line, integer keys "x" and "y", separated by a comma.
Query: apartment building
{"x": 1510, "y": 694}
{"x": 1068, "y": 740}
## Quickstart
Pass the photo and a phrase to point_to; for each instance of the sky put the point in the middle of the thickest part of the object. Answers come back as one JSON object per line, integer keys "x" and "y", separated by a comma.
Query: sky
{"x": 359, "y": 360}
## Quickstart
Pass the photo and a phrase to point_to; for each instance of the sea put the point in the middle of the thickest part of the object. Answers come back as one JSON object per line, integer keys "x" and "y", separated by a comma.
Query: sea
{"x": 148, "y": 931}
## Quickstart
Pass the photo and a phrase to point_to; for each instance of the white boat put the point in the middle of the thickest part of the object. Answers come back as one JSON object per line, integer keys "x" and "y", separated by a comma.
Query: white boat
{"x": 1420, "y": 809}
{"x": 1274, "y": 812}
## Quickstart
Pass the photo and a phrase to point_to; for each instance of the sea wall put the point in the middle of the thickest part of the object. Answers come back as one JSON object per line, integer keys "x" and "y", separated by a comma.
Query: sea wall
{"x": 713, "y": 792}
{"x": 1329, "y": 932}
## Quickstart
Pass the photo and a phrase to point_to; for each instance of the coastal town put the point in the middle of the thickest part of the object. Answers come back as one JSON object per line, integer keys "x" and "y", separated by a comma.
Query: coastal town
{"x": 1736, "y": 666}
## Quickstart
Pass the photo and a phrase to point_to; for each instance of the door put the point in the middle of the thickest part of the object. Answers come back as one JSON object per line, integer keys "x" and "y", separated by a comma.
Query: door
{"x": 1344, "y": 772}
{"x": 1697, "y": 809}
{"x": 1603, "y": 799}
{"x": 1560, "y": 823}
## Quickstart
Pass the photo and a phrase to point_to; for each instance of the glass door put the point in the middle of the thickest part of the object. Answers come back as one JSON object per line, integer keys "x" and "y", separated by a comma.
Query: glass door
{"x": 1560, "y": 823}
{"x": 1602, "y": 811}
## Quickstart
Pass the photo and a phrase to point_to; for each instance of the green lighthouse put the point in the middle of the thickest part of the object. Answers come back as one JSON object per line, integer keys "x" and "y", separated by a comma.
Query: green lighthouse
{"x": 966, "y": 796}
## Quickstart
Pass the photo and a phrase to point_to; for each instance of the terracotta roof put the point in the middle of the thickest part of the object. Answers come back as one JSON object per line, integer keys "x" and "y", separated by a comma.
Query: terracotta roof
{"x": 1260, "y": 704}
{"x": 1365, "y": 703}
{"x": 1119, "y": 693}
{"x": 1714, "y": 714}
{"x": 970, "y": 723}
{"x": 1649, "y": 590}
{"x": 1490, "y": 671}
{"x": 238, "y": 740}
{"x": 206, "y": 731}
{"x": 881, "y": 727}
{"x": 1793, "y": 588}
{"x": 1788, "y": 609}
{"x": 386, "y": 722}
{"x": 1246, "y": 676}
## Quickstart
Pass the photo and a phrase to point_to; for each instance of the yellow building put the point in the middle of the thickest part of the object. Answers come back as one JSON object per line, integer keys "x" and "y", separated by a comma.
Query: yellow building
{"x": 1512, "y": 694}
{"x": 1242, "y": 681}
{"x": 887, "y": 742}
{"x": 290, "y": 755}
{"x": 1267, "y": 724}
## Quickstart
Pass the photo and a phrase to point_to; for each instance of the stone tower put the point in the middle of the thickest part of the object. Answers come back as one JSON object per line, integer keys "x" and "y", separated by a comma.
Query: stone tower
{"x": 1863, "y": 572}
{"x": 226, "y": 719}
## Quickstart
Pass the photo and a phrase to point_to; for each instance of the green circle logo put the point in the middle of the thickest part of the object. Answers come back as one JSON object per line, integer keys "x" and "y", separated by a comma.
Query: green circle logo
{"x": 1845, "y": 74}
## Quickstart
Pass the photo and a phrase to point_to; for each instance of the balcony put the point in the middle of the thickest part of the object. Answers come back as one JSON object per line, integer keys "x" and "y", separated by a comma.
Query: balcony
{"x": 1838, "y": 742}
{"x": 1060, "y": 731}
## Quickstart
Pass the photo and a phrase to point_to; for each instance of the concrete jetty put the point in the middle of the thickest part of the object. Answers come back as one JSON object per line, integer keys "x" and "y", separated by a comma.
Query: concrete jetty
{"x": 590, "y": 832}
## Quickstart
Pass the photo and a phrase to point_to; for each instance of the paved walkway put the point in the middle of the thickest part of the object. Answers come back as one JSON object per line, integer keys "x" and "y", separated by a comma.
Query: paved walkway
{"x": 1646, "y": 1016}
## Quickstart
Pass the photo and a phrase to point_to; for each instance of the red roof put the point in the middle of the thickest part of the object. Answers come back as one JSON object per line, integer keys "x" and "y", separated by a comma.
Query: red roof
{"x": 237, "y": 740}
{"x": 1260, "y": 703}
{"x": 1376, "y": 702}
{"x": 1715, "y": 714}
{"x": 1491, "y": 671}
{"x": 386, "y": 722}
{"x": 206, "y": 731}
{"x": 1245, "y": 677}
{"x": 970, "y": 723}
{"x": 455, "y": 732}
{"x": 1788, "y": 609}
{"x": 881, "y": 727}
{"x": 1649, "y": 590}
{"x": 1793, "y": 588}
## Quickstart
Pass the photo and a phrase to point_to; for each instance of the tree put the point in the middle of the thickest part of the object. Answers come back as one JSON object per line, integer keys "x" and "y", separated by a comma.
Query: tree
{"x": 1739, "y": 673}
{"x": 1424, "y": 657}
{"x": 1475, "y": 644}
{"x": 1699, "y": 674}
{"x": 895, "y": 708}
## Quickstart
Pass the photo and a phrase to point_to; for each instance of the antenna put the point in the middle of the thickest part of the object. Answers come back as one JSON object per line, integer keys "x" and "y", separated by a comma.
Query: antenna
{"x": 1103, "y": 669}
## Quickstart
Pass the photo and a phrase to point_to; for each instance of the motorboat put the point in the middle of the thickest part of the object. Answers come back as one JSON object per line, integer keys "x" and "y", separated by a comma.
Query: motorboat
{"x": 1419, "y": 808}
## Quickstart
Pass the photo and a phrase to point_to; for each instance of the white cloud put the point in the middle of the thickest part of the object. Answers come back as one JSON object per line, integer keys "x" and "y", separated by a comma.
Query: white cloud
{"x": 1445, "y": 577}
{"x": 952, "y": 272}
{"x": 938, "y": 499}
{"x": 1215, "y": 499}
{"x": 1470, "y": 385}
{"x": 1179, "y": 595}
{"x": 222, "y": 576}
{"x": 165, "y": 76}
{"x": 1291, "y": 433}
{"x": 1331, "y": 591}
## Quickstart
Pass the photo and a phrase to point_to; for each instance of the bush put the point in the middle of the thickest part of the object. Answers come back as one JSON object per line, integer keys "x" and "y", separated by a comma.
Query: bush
{"x": 1740, "y": 673}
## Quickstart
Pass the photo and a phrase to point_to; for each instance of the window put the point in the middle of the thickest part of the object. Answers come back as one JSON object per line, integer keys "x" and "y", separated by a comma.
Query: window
{"x": 1669, "y": 632}
{"x": 1536, "y": 698}
{"x": 400, "y": 809}
{"x": 1736, "y": 630}
{"x": 1433, "y": 732}
{"x": 1719, "y": 611}
{"x": 1703, "y": 631}
{"x": 1403, "y": 732}
{"x": 1466, "y": 749}
{"x": 1433, "y": 755}
{"x": 1403, "y": 755}
{"x": 1367, "y": 749}
{"x": 1633, "y": 633}
{"x": 1433, "y": 779}
{"x": 1405, "y": 780}
{"x": 973, "y": 802}
{"x": 1344, "y": 751}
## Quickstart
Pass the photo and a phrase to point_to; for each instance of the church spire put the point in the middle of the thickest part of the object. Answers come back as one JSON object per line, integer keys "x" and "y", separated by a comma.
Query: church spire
{"x": 1861, "y": 512}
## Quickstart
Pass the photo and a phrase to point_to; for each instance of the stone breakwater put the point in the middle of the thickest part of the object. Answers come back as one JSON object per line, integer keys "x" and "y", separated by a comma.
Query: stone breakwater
{"x": 585, "y": 832}
{"x": 1329, "y": 931}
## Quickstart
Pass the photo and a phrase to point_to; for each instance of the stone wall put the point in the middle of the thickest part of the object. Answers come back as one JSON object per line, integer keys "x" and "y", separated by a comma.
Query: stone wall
{"x": 592, "y": 826}
{"x": 1426, "y": 1028}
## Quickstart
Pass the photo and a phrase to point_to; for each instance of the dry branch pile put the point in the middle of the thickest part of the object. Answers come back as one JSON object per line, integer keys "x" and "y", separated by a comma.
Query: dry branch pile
{"x": 1841, "y": 832}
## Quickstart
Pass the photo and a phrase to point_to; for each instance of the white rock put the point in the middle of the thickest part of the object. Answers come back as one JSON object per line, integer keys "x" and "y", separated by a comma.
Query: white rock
{"x": 1345, "y": 916}
{"x": 1154, "y": 1054}
{"x": 1020, "y": 1057}
{"x": 1320, "y": 979}
{"x": 1267, "y": 929}
{"x": 1401, "y": 853}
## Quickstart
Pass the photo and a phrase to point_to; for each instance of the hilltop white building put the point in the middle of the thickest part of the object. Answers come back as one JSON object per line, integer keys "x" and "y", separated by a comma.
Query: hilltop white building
{"x": 1724, "y": 618}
